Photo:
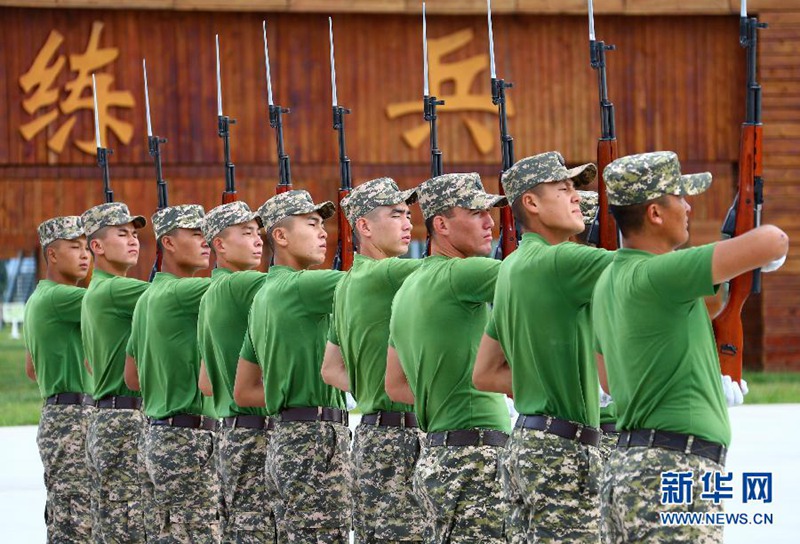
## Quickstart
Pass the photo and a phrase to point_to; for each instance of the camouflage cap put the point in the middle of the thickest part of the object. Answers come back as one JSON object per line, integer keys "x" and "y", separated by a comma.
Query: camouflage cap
{"x": 373, "y": 194}
{"x": 109, "y": 214}
{"x": 227, "y": 215}
{"x": 185, "y": 216}
{"x": 455, "y": 190}
{"x": 635, "y": 179}
{"x": 544, "y": 168}
{"x": 295, "y": 202}
{"x": 68, "y": 227}
{"x": 589, "y": 202}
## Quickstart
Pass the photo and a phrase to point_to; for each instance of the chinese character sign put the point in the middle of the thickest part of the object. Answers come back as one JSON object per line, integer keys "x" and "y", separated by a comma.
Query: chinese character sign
{"x": 462, "y": 74}
{"x": 46, "y": 103}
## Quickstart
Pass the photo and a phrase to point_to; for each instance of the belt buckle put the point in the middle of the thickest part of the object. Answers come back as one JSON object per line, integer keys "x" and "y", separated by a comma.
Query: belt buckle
{"x": 345, "y": 417}
{"x": 169, "y": 421}
{"x": 319, "y": 413}
{"x": 445, "y": 436}
{"x": 378, "y": 418}
{"x": 651, "y": 439}
{"x": 480, "y": 437}
{"x": 114, "y": 402}
{"x": 578, "y": 432}
{"x": 402, "y": 420}
{"x": 548, "y": 422}
{"x": 235, "y": 422}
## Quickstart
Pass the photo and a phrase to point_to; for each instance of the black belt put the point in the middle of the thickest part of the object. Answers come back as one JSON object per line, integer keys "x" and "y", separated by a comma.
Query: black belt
{"x": 468, "y": 437}
{"x": 315, "y": 413}
{"x": 190, "y": 421}
{"x": 249, "y": 421}
{"x": 69, "y": 398}
{"x": 609, "y": 428}
{"x": 120, "y": 402}
{"x": 391, "y": 419}
{"x": 651, "y": 438}
{"x": 561, "y": 427}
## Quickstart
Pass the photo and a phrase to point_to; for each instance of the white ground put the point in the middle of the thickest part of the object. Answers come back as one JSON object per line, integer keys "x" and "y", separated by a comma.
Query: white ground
{"x": 766, "y": 439}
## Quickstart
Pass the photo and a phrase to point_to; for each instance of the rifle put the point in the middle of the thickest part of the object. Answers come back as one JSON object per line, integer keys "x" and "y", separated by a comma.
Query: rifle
{"x": 343, "y": 259}
{"x": 508, "y": 232}
{"x": 154, "y": 146}
{"x": 223, "y": 130}
{"x": 603, "y": 232}
{"x": 430, "y": 104}
{"x": 745, "y": 212}
{"x": 276, "y": 122}
{"x": 102, "y": 152}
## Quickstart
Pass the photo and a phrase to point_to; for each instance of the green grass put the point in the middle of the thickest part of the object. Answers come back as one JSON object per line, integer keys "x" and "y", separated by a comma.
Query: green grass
{"x": 20, "y": 403}
{"x": 772, "y": 387}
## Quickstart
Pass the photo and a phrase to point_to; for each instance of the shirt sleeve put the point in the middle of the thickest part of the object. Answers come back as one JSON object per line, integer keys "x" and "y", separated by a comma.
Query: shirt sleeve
{"x": 191, "y": 290}
{"x": 248, "y": 283}
{"x": 397, "y": 270}
{"x": 130, "y": 347}
{"x": 491, "y": 328}
{"x": 473, "y": 279}
{"x": 578, "y": 267}
{"x": 67, "y": 301}
{"x": 317, "y": 287}
{"x": 248, "y": 352}
{"x": 125, "y": 292}
{"x": 683, "y": 275}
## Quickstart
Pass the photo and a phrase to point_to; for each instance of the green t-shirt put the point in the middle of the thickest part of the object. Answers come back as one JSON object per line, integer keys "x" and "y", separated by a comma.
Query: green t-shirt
{"x": 106, "y": 326}
{"x": 653, "y": 328}
{"x": 52, "y": 324}
{"x": 608, "y": 413}
{"x": 362, "y": 308}
{"x": 541, "y": 318}
{"x": 164, "y": 343}
{"x": 438, "y": 317}
{"x": 221, "y": 326}
{"x": 286, "y": 333}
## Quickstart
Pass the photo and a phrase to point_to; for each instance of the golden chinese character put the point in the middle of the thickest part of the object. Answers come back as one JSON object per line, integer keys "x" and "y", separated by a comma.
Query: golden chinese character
{"x": 462, "y": 74}
{"x": 41, "y": 76}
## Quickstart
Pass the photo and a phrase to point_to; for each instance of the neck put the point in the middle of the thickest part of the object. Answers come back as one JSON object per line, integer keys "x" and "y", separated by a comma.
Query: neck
{"x": 552, "y": 236}
{"x": 647, "y": 242}
{"x": 115, "y": 269}
{"x": 176, "y": 269}
{"x": 57, "y": 277}
{"x": 283, "y": 258}
{"x": 446, "y": 249}
{"x": 374, "y": 252}
{"x": 222, "y": 262}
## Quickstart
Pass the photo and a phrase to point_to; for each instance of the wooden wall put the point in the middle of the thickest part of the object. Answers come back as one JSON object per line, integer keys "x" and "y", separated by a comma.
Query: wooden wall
{"x": 677, "y": 83}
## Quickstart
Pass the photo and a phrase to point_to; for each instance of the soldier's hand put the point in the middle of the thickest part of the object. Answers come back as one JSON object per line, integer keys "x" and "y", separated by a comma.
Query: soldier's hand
{"x": 734, "y": 393}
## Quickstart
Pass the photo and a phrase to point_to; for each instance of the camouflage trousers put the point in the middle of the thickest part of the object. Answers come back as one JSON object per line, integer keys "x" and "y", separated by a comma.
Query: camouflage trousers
{"x": 608, "y": 443}
{"x": 631, "y": 497}
{"x": 461, "y": 490}
{"x": 555, "y": 488}
{"x": 248, "y": 494}
{"x": 180, "y": 465}
{"x": 62, "y": 446}
{"x": 385, "y": 508}
{"x": 112, "y": 454}
{"x": 309, "y": 463}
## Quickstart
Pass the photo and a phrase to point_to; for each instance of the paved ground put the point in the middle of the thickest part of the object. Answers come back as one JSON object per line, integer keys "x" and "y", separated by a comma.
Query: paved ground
{"x": 766, "y": 439}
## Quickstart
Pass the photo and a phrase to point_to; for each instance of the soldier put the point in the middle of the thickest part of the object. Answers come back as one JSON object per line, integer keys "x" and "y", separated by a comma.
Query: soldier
{"x": 308, "y": 452}
{"x": 115, "y": 430}
{"x": 387, "y": 442}
{"x": 164, "y": 360}
{"x": 55, "y": 361}
{"x": 437, "y": 319}
{"x": 232, "y": 232}
{"x": 660, "y": 353}
{"x": 539, "y": 344}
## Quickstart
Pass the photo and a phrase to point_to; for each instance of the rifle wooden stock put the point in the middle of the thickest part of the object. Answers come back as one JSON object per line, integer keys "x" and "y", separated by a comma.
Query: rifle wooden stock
{"x": 508, "y": 233}
{"x": 229, "y": 196}
{"x": 606, "y": 153}
{"x": 728, "y": 330}
{"x": 344, "y": 254}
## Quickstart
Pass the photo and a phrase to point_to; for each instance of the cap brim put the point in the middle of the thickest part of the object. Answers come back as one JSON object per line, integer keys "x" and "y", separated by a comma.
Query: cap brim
{"x": 138, "y": 221}
{"x": 325, "y": 209}
{"x": 410, "y": 196}
{"x": 583, "y": 174}
{"x": 695, "y": 184}
{"x": 487, "y": 201}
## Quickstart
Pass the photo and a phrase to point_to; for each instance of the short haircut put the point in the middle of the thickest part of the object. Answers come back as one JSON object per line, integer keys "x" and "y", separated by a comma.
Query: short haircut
{"x": 630, "y": 219}
{"x": 518, "y": 211}
{"x": 168, "y": 233}
{"x": 429, "y": 221}
{"x": 99, "y": 234}
{"x": 283, "y": 223}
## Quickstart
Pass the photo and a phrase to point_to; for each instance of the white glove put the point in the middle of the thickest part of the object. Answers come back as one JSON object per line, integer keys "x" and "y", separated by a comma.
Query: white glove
{"x": 351, "y": 402}
{"x": 774, "y": 265}
{"x": 511, "y": 410}
{"x": 734, "y": 393}
{"x": 605, "y": 398}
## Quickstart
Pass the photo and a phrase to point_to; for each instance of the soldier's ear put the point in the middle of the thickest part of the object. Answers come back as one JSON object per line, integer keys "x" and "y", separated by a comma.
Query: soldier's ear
{"x": 279, "y": 237}
{"x": 530, "y": 202}
{"x": 168, "y": 243}
{"x": 96, "y": 247}
{"x": 217, "y": 244}
{"x": 440, "y": 225}
{"x": 363, "y": 228}
{"x": 654, "y": 213}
